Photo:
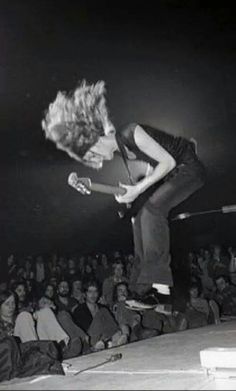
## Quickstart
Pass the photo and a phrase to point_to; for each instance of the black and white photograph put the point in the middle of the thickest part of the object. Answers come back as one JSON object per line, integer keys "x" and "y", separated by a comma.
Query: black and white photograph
{"x": 118, "y": 195}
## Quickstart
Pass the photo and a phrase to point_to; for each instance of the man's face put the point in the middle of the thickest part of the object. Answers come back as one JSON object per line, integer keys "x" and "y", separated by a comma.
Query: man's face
{"x": 194, "y": 293}
{"x": 221, "y": 284}
{"x": 92, "y": 295}
{"x": 63, "y": 289}
{"x": 77, "y": 286}
{"x": 21, "y": 292}
{"x": 122, "y": 293}
{"x": 118, "y": 270}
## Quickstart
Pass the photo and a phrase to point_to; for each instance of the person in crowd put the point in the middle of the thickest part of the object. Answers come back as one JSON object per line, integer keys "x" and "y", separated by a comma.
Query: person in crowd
{"x": 88, "y": 274}
{"x": 24, "y": 303}
{"x": 104, "y": 268}
{"x": 12, "y": 267}
{"x": 71, "y": 270}
{"x": 219, "y": 263}
{"x": 63, "y": 299}
{"x": 97, "y": 321}
{"x": 225, "y": 296}
{"x": 199, "y": 311}
{"x": 110, "y": 282}
{"x": 40, "y": 270}
{"x": 77, "y": 290}
{"x": 206, "y": 279}
{"x": 29, "y": 273}
{"x": 232, "y": 264}
{"x": 81, "y": 265}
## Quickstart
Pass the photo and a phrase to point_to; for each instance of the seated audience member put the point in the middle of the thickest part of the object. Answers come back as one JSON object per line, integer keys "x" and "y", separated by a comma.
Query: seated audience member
{"x": 24, "y": 303}
{"x": 97, "y": 321}
{"x": 207, "y": 282}
{"x": 71, "y": 270}
{"x": 129, "y": 318}
{"x": 40, "y": 270}
{"x": 77, "y": 290}
{"x": 12, "y": 267}
{"x": 64, "y": 301}
{"x": 110, "y": 282}
{"x": 88, "y": 274}
{"x": 225, "y": 296}
{"x": 47, "y": 299}
{"x": 219, "y": 263}
{"x": 81, "y": 265}
{"x": 232, "y": 265}
{"x": 199, "y": 311}
{"x": 104, "y": 269}
{"x": 28, "y": 270}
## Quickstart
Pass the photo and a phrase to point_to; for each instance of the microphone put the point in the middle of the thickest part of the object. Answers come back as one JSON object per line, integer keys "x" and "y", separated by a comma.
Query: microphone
{"x": 72, "y": 179}
{"x": 229, "y": 208}
{"x": 223, "y": 209}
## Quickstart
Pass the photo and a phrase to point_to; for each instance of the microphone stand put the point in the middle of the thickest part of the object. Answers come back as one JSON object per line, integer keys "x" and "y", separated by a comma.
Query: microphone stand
{"x": 223, "y": 209}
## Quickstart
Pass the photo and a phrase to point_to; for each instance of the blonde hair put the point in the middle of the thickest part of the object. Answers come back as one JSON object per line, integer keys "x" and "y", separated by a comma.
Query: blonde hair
{"x": 75, "y": 121}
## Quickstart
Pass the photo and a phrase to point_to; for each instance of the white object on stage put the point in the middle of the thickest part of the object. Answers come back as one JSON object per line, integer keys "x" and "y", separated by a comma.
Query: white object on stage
{"x": 220, "y": 362}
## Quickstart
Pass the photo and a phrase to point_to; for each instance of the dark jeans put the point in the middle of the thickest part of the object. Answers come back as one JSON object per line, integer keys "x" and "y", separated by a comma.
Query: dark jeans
{"x": 151, "y": 229}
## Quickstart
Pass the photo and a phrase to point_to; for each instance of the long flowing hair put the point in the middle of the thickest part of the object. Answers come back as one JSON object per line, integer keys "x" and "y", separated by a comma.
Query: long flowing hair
{"x": 75, "y": 121}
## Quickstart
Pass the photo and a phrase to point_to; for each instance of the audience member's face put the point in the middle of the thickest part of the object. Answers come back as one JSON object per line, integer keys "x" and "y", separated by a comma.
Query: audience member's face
{"x": 131, "y": 258}
{"x": 193, "y": 293}
{"x": 71, "y": 264}
{"x": 10, "y": 260}
{"x": 122, "y": 293}
{"x": 29, "y": 285}
{"x": 21, "y": 292}
{"x": 88, "y": 269}
{"x": 63, "y": 289}
{"x": 92, "y": 295}
{"x": 81, "y": 261}
{"x": 216, "y": 250}
{"x": 49, "y": 291}
{"x": 8, "y": 307}
{"x": 104, "y": 260}
{"x": 221, "y": 284}
{"x": 118, "y": 270}
{"x": 77, "y": 286}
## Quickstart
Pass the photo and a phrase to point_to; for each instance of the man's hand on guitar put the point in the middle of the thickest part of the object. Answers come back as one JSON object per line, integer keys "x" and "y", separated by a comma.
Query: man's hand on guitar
{"x": 132, "y": 192}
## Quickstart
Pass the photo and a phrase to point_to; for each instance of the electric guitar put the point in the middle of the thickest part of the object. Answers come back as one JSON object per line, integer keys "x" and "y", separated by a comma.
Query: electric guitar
{"x": 85, "y": 186}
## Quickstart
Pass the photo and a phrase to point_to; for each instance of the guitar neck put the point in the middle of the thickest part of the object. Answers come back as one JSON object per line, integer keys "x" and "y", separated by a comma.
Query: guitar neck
{"x": 107, "y": 189}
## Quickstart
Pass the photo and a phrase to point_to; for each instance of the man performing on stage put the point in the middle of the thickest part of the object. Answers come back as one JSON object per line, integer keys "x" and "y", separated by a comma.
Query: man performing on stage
{"x": 79, "y": 124}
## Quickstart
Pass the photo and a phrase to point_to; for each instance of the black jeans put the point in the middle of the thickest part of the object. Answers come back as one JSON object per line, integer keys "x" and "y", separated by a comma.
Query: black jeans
{"x": 151, "y": 229}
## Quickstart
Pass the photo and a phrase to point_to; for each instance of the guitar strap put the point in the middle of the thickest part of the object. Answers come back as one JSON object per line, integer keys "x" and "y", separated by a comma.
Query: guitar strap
{"x": 125, "y": 158}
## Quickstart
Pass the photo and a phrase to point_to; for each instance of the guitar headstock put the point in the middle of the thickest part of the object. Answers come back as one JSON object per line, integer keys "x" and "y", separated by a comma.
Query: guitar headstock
{"x": 82, "y": 185}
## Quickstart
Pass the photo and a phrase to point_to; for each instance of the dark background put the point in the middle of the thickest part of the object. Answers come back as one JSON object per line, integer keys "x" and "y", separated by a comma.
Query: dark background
{"x": 172, "y": 67}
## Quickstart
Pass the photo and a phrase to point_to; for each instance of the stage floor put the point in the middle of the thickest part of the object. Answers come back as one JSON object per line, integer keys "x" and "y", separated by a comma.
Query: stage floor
{"x": 167, "y": 362}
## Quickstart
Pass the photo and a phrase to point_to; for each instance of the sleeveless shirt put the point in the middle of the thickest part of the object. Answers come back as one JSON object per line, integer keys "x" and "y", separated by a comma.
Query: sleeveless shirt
{"x": 181, "y": 149}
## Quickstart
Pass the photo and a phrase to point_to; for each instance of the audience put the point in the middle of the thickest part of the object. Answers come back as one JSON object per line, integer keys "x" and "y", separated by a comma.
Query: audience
{"x": 60, "y": 299}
